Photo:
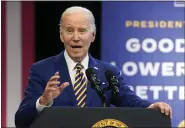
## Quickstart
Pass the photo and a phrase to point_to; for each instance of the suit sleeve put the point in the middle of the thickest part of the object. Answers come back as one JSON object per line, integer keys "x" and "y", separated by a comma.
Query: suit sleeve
{"x": 127, "y": 97}
{"x": 27, "y": 111}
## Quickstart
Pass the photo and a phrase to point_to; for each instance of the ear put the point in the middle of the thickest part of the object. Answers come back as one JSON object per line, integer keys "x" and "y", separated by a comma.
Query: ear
{"x": 93, "y": 36}
{"x": 61, "y": 35}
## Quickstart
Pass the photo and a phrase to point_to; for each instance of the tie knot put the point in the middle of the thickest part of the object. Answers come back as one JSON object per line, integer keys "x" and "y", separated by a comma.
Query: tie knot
{"x": 79, "y": 66}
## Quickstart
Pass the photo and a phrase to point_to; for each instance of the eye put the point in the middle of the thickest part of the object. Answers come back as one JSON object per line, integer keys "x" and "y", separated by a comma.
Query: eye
{"x": 69, "y": 30}
{"x": 82, "y": 30}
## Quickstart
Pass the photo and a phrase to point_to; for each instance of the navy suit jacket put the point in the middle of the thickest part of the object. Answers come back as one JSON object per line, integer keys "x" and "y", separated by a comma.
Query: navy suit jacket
{"x": 41, "y": 72}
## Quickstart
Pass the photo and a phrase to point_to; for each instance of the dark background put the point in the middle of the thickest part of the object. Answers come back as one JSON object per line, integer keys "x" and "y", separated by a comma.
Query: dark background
{"x": 47, "y": 19}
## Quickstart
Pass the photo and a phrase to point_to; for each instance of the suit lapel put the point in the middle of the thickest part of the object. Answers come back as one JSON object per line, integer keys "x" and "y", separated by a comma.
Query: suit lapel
{"x": 64, "y": 76}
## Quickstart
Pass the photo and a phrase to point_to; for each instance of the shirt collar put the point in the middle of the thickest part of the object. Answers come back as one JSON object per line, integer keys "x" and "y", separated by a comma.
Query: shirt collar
{"x": 71, "y": 63}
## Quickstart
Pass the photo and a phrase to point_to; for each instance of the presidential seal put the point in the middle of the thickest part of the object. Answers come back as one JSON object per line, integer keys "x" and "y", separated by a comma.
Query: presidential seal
{"x": 182, "y": 124}
{"x": 109, "y": 123}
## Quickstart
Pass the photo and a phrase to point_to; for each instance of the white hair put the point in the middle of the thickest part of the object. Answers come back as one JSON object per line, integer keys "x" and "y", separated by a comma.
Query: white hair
{"x": 76, "y": 9}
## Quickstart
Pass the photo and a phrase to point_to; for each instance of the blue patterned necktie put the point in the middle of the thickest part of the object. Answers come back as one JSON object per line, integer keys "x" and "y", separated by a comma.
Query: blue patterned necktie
{"x": 80, "y": 86}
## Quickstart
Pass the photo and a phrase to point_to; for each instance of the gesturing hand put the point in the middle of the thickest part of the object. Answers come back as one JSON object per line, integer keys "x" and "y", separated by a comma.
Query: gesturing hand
{"x": 52, "y": 89}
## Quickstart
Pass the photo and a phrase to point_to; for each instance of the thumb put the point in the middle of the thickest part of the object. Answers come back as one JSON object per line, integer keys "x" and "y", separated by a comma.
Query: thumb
{"x": 63, "y": 86}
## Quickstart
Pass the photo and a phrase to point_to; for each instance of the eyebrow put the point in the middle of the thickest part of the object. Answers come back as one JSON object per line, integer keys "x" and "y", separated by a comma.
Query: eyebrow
{"x": 68, "y": 26}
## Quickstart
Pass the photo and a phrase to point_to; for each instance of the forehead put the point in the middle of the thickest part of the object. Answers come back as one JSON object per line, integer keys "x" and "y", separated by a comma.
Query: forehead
{"x": 76, "y": 20}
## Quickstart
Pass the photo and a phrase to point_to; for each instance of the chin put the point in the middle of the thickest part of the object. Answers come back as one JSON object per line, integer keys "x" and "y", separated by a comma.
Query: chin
{"x": 78, "y": 57}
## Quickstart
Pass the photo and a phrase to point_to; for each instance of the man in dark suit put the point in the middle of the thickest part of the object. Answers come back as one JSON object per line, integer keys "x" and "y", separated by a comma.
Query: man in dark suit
{"x": 61, "y": 81}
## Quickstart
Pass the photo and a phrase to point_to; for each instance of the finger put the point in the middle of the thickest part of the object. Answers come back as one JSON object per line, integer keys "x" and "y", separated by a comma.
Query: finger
{"x": 50, "y": 89}
{"x": 159, "y": 105}
{"x": 63, "y": 86}
{"x": 169, "y": 110}
{"x": 166, "y": 109}
{"x": 57, "y": 73}
{"x": 151, "y": 106}
{"x": 55, "y": 77}
{"x": 52, "y": 83}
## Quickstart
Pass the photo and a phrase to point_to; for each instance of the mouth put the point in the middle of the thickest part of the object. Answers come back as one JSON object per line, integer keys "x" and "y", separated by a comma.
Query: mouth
{"x": 76, "y": 46}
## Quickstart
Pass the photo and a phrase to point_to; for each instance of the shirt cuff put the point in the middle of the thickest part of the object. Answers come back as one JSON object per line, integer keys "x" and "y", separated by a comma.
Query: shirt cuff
{"x": 41, "y": 107}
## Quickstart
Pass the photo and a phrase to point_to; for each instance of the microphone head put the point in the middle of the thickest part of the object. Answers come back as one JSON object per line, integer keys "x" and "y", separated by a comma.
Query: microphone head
{"x": 112, "y": 80}
{"x": 89, "y": 72}
{"x": 108, "y": 74}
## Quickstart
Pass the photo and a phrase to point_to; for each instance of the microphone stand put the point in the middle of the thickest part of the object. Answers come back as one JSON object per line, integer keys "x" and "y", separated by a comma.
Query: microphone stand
{"x": 113, "y": 97}
{"x": 103, "y": 100}
{"x": 100, "y": 93}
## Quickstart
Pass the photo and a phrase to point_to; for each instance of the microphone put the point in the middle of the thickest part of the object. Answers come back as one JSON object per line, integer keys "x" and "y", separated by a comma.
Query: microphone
{"x": 95, "y": 84}
{"x": 113, "y": 82}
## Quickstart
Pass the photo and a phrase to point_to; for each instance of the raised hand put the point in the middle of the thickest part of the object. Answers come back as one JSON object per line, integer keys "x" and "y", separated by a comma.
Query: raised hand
{"x": 52, "y": 89}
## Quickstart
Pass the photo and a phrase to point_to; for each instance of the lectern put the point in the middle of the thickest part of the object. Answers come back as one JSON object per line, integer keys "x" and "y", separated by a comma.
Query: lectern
{"x": 60, "y": 117}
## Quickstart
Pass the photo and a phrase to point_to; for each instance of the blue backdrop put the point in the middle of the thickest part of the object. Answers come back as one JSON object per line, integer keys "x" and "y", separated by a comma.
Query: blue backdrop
{"x": 146, "y": 41}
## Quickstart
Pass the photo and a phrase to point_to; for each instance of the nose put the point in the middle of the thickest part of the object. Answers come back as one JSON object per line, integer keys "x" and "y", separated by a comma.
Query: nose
{"x": 76, "y": 36}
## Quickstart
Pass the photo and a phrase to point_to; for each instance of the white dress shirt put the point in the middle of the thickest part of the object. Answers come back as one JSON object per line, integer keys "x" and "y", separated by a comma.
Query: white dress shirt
{"x": 72, "y": 72}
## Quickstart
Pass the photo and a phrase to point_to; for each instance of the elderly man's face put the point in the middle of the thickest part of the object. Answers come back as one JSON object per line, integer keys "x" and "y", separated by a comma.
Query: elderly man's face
{"x": 76, "y": 33}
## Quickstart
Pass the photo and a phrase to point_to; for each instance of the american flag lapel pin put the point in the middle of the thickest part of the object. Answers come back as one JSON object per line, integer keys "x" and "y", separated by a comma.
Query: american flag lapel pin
{"x": 96, "y": 68}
